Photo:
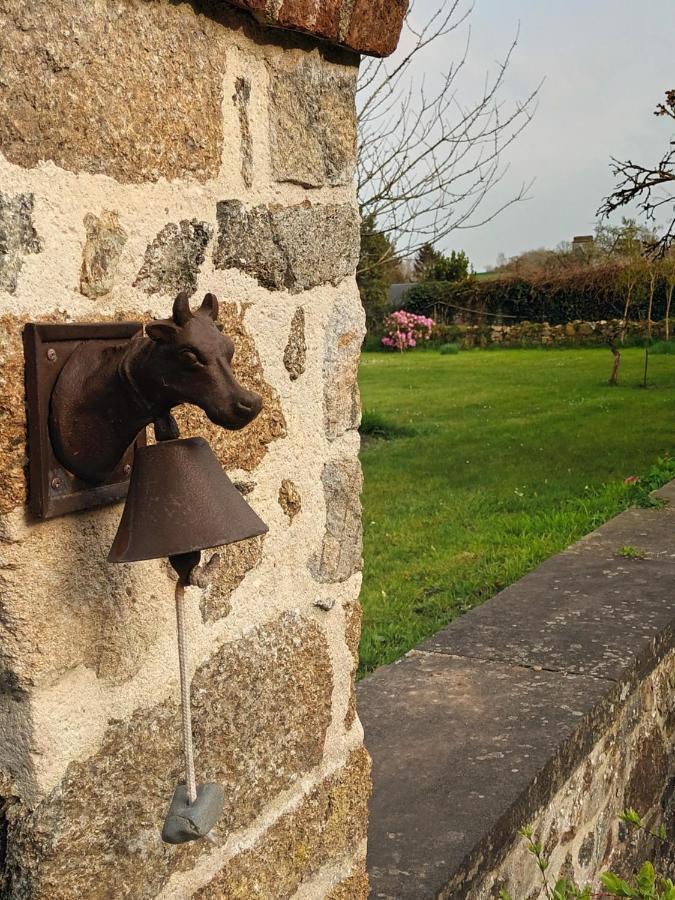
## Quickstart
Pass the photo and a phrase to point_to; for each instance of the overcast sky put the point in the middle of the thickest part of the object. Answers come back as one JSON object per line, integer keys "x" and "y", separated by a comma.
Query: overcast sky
{"x": 606, "y": 65}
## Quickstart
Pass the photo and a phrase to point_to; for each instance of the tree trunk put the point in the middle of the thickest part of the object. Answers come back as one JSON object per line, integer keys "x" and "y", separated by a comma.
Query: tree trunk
{"x": 652, "y": 285}
{"x": 668, "y": 302}
{"x": 617, "y": 363}
{"x": 644, "y": 383}
{"x": 625, "y": 312}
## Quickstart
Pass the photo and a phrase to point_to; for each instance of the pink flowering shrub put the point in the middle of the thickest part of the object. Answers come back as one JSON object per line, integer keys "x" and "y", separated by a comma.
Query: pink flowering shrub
{"x": 404, "y": 330}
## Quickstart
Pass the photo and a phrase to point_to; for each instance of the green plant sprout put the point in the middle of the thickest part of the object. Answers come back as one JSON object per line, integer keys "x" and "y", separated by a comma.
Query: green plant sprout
{"x": 628, "y": 552}
{"x": 647, "y": 883}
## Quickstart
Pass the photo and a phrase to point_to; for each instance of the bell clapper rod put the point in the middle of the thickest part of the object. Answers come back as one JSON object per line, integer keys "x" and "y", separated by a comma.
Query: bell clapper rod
{"x": 184, "y": 664}
{"x": 184, "y": 564}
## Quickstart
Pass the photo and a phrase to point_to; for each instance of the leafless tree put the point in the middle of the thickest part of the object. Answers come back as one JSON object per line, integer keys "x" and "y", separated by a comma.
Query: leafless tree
{"x": 650, "y": 188}
{"x": 429, "y": 158}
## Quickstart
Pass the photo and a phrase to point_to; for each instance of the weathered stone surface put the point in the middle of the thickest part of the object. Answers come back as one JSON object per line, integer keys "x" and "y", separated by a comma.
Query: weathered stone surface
{"x": 340, "y": 554}
{"x": 232, "y": 566}
{"x": 341, "y": 398}
{"x": 246, "y": 448}
{"x": 586, "y": 618}
{"x": 313, "y": 124}
{"x": 353, "y": 615}
{"x": 102, "y": 251}
{"x": 98, "y": 834}
{"x": 441, "y": 727}
{"x": 101, "y": 617}
{"x": 123, "y": 87}
{"x": 173, "y": 259}
{"x": 353, "y": 888}
{"x": 292, "y": 247}
{"x": 289, "y": 498}
{"x": 579, "y": 823}
{"x": 375, "y": 25}
{"x": 329, "y": 824}
{"x": 17, "y": 236}
{"x": 367, "y": 26}
{"x": 241, "y": 99}
{"x": 295, "y": 354}
{"x": 12, "y": 415}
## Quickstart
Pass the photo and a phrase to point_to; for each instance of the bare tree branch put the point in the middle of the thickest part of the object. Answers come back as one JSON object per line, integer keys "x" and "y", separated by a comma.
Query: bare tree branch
{"x": 428, "y": 159}
{"x": 647, "y": 186}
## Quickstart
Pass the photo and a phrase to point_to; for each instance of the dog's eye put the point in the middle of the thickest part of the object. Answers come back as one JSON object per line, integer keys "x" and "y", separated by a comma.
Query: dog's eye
{"x": 189, "y": 359}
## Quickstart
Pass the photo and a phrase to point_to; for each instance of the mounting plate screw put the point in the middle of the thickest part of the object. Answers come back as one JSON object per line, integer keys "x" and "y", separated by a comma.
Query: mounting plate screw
{"x": 127, "y": 469}
{"x": 51, "y": 354}
{"x": 56, "y": 482}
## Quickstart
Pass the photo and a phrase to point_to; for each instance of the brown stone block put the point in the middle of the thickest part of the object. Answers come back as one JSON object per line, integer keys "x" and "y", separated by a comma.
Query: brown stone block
{"x": 123, "y": 88}
{"x": 353, "y": 616}
{"x": 366, "y": 26}
{"x": 226, "y": 573}
{"x": 262, "y": 707}
{"x": 375, "y": 26}
{"x": 353, "y": 888}
{"x": 329, "y": 824}
{"x": 12, "y": 415}
{"x": 289, "y": 499}
{"x": 295, "y": 353}
{"x": 102, "y": 251}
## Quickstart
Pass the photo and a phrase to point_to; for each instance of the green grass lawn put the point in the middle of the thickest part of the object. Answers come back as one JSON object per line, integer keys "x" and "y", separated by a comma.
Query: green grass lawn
{"x": 492, "y": 462}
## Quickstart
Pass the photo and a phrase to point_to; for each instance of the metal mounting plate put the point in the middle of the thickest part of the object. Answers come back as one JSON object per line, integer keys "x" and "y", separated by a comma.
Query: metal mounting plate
{"x": 53, "y": 490}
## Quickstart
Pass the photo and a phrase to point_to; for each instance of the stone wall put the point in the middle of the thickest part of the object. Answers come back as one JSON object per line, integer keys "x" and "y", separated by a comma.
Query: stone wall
{"x": 528, "y": 334}
{"x": 553, "y": 705}
{"x": 147, "y": 148}
{"x": 630, "y": 766}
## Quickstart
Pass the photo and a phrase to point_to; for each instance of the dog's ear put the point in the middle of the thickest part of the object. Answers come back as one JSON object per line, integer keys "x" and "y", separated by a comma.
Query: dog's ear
{"x": 162, "y": 331}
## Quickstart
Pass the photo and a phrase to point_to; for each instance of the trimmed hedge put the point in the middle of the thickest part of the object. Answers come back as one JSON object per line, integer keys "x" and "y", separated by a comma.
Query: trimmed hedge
{"x": 589, "y": 294}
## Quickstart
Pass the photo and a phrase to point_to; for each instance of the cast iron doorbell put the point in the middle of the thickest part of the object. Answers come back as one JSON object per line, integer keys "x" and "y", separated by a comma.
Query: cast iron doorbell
{"x": 91, "y": 391}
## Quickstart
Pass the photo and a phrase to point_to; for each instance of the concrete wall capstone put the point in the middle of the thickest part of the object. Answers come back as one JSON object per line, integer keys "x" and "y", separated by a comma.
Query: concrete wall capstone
{"x": 147, "y": 148}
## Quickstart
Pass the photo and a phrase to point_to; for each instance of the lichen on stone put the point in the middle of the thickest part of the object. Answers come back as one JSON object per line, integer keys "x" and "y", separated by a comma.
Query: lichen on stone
{"x": 313, "y": 124}
{"x": 173, "y": 259}
{"x": 290, "y": 248}
{"x": 340, "y": 554}
{"x": 17, "y": 237}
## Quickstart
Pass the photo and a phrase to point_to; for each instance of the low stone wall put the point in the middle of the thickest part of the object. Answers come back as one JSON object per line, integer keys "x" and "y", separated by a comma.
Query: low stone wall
{"x": 528, "y": 334}
{"x": 553, "y": 704}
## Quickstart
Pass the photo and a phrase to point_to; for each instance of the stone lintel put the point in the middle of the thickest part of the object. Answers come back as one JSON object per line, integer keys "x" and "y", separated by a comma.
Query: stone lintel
{"x": 372, "y": 27}
{"x": 475, "y": 732}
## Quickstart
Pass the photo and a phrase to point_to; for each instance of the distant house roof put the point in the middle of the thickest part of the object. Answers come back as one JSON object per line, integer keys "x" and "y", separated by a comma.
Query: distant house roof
{"x": 397, "y": 292}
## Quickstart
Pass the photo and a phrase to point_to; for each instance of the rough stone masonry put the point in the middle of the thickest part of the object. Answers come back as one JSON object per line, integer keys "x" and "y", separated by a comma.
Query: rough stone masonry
{"x": 147, "y": 147}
